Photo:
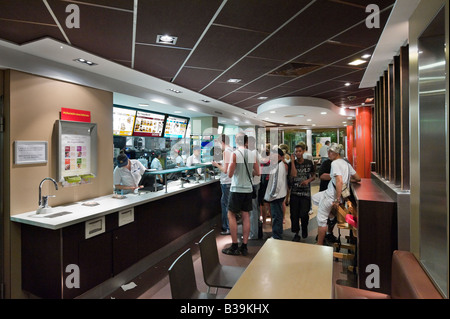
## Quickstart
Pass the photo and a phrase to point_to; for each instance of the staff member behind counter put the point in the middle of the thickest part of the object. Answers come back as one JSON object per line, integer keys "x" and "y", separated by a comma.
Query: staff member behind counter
{"x": 127, "y": 174}
{"x": 195, "y": 158}
{"x": 156, "y": 164}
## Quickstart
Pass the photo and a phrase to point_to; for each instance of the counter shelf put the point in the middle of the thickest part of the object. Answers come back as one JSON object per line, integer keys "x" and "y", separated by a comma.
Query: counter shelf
{"x": 183, "y": 169}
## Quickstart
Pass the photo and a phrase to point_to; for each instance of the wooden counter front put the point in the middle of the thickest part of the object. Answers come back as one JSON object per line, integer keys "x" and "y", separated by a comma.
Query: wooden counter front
{"x": 377, "y": 232}
{"x": 46, "y": 253}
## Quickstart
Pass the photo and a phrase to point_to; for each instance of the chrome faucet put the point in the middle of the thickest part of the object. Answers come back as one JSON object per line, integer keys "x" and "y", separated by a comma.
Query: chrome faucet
{"x": 43, "y": 201}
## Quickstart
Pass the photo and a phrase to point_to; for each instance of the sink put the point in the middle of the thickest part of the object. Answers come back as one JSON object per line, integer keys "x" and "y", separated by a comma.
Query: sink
{"x": 57, "y": 214}
{"x": 49, "y": 214}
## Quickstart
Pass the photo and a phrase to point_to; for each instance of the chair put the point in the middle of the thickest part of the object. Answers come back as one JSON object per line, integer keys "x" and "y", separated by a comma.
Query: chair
{"x": 182, "y": 279}
{"x": 214, "y": 273}
{"x": 342, "y": 214}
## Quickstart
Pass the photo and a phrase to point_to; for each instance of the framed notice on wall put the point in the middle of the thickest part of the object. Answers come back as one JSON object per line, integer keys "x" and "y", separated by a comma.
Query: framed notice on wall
{"x": 30, "y": 152}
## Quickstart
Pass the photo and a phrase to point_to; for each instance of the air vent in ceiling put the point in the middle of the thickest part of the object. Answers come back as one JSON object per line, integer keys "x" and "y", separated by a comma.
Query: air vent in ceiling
{"x": 295, "y": 69}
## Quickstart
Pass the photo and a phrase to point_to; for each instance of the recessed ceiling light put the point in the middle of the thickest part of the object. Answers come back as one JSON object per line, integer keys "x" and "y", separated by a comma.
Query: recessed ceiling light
{"x": 366, "y": 56}
{"x": 309, "y": 120}
{"x": 192, "y": 109}
{"x": 263, "y": 98}
{"x": 177, "y": 112}
{"x": 166, "y": 39}
{"x": 143, "y": 104}
{"x": 348, "y": 84}
{"x": 206, "y": 101}
{"x": 84, "y": 61}
{"x": 234, "y": 80}
{"x": 323, "y": 113}
{"x": 175, "y": 91}
{"x": 357, "y": 62}
{"x": 272, "y": 112}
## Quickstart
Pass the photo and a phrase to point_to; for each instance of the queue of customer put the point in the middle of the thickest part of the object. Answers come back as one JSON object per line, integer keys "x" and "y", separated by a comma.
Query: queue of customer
{"x": 276, "y": 178}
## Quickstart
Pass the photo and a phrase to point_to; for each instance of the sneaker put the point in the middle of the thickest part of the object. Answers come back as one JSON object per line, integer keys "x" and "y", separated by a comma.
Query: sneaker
{"x": 226, "y": 232}
{"x": 231, "y": 251}
{"x": 305, "y": 233}
{"x": 296, "y": 238}
{"x": 243, "y": 250}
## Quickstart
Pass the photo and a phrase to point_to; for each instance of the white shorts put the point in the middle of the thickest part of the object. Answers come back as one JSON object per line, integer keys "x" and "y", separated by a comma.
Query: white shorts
{"x": 325, "y": 203}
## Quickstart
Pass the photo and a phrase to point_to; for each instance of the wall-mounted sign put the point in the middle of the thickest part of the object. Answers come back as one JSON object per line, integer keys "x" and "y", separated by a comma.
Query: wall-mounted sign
{"x": 75, "y": 115}
{"x": 30, "y": 152}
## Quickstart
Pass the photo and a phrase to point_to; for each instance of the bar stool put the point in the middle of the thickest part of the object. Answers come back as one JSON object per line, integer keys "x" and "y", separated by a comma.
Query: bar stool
{"x": 214, "y": 273}
{"x": 342, "y": 213}
{"x": 182, "y": 279}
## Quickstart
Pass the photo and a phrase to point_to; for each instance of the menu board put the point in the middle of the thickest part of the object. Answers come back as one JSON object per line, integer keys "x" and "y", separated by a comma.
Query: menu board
{"x": 123, "y": 121}
{"x": 149, "y": 124}
{"x": 176, "y": 127}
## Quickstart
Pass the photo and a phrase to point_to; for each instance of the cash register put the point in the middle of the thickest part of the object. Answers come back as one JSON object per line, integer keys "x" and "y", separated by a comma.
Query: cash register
{"x": 148, "y": 181}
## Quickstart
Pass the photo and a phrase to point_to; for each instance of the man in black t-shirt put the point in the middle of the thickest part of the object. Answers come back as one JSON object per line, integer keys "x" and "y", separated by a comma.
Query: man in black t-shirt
{"x": 302, "y": 174}
{"x": 324, "y": 174}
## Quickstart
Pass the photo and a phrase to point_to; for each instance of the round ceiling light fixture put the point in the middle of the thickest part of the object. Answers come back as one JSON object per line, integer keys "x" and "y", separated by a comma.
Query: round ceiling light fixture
{"x": 295, "y": 115}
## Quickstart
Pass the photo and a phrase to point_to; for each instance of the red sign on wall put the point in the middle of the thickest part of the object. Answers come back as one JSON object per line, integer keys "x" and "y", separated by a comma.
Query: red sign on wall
{"x": 75, "y": 115}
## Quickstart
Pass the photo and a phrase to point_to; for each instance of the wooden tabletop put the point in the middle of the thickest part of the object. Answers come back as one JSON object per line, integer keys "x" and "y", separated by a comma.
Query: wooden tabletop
{"x": 287, "y": 270}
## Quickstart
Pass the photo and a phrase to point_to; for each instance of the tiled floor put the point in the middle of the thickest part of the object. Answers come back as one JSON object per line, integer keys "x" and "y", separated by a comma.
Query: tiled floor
{"x": 154, "y": 283}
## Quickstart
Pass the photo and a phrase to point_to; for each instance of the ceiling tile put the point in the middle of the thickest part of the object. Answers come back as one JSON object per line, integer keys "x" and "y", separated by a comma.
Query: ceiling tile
{"x": 99, "y": 28}
{"x": 184, "y": 19}
{"x": 221, "y": 47}
{"x": 160, "y": 62}
{"x": 195, "y": 79}
{"x": 259, "y": 15}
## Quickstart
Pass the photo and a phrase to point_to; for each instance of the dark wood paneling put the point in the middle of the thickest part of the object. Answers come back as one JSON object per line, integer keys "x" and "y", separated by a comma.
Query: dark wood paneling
{"x": 391, "y": 124}
{"x": 377, "y": 232}
{"x": 46, "y": 253}
{"x": 385, "y": 126}
{"x": 165, "y": 220}
{"x": 41, "y": 255}
{"x": 397, "y": 123}
{"x": 404, "y": 110}
{"x": 125, "y": 250}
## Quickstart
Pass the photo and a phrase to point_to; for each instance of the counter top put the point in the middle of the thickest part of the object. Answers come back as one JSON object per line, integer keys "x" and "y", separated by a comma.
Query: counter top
{"x": 368, "y": 190}
{"x": 74, "y": 213}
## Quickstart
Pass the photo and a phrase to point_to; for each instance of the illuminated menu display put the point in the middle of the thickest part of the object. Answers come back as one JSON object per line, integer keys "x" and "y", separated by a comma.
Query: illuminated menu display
{"x": 149, "y": 124}
{"x": 176, "y": 127}
{"x": 123, "y": 121}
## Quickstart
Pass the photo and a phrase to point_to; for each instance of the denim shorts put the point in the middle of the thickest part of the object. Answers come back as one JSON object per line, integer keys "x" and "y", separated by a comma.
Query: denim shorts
{"x": 240, "y": 202}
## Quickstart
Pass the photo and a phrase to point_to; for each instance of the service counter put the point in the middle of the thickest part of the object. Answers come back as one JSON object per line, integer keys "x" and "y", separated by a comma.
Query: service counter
{"x": 111, "y": 239}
